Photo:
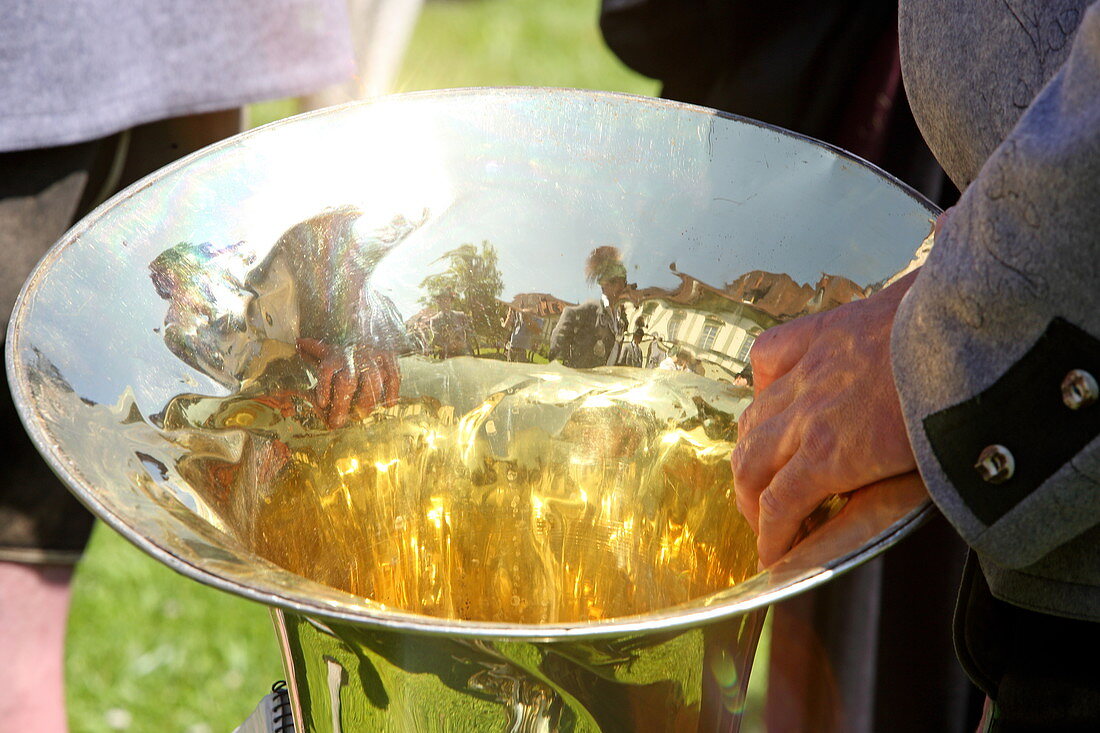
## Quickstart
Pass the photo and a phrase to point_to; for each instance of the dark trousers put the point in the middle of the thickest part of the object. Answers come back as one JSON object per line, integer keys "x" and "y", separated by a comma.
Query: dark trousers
{"x": 1041, "y": 672}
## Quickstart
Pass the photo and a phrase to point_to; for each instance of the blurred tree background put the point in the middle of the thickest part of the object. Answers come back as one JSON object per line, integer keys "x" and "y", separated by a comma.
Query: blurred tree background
{"x": 149, "y": 650}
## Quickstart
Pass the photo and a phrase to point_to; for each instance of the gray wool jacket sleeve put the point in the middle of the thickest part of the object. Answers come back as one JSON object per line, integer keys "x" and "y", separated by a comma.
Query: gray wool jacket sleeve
{"x": 1008, "y": 303}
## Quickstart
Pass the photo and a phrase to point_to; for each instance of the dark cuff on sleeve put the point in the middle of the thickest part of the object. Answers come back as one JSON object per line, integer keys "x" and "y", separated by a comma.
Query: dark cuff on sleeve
{"x": 1025, "y": 417}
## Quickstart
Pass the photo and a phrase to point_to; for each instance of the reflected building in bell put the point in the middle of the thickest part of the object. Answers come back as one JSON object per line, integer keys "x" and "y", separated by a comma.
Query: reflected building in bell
{"x": 782, "y": 297}
{"x": 716, "y": 326}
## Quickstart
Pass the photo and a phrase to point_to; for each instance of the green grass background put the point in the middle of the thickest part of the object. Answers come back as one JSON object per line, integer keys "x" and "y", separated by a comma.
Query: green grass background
{"x": 149, "y": 650}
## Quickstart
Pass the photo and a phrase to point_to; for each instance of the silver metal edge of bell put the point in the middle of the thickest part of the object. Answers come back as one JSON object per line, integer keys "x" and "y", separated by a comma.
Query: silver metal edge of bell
{"x": 667, "y": 619}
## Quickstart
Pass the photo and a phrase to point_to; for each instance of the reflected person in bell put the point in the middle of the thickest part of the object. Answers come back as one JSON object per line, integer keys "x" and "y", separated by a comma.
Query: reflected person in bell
{"x": 632, "y": 352}
{"x": 681, "y": 359}
{"x": 523, "y": 328}
{"x": 310, "y": 297}
{"x": 450, "y": 331}
{"x": 347, "y": 328}
{"x": 978, "y": 372}
{"x": 588, "y": 335}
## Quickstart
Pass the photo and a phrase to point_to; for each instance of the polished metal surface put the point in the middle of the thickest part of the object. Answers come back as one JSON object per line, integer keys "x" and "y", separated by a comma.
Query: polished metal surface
{"x": 452, "y": 380}
{"x": 353, "y": 677}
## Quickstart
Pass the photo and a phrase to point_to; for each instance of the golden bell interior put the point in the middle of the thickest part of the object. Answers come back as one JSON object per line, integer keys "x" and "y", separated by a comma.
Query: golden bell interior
{"x": 491, "y": 492}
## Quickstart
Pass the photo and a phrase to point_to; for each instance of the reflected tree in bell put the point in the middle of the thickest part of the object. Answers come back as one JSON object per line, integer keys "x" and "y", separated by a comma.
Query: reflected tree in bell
{"x": 472, "y": 285}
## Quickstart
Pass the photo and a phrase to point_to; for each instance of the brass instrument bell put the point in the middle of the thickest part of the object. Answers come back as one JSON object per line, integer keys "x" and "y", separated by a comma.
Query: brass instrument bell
{"x": 450, "y": 381}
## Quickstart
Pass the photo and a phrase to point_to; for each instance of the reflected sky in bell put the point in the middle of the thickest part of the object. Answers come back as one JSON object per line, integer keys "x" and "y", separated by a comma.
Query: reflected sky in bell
{"x": 544, "y": 176}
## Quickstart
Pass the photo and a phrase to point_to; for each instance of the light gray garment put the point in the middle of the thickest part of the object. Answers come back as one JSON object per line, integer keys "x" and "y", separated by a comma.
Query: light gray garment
{"x": 76, "y": 70}
{"x": 1008, "y": 97}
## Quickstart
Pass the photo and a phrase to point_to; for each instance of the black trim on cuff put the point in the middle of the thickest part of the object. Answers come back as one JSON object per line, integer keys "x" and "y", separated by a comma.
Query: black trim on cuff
{"x": 1024, "y": 412}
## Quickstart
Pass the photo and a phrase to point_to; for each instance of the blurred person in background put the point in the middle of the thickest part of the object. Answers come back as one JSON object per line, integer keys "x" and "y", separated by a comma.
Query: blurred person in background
{"x": 450, "y": 328}
{"x": 96, "y": 95}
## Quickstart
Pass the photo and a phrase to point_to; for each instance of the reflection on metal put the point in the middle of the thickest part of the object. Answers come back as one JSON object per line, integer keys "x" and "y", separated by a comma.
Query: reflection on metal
{"x": 490, "y": 492}
{"x": 681, "y": 679}
{"x": 452, "y": 380}
{"x": 337, "y": 681}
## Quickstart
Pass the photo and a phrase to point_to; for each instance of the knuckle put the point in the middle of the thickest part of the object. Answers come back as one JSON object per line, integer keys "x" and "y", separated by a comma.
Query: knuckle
{"x": 745, "y": 424}
{"x": 763, "y": 407}
{"x": 818, "y": 443}
{"x": 737, "y": 466}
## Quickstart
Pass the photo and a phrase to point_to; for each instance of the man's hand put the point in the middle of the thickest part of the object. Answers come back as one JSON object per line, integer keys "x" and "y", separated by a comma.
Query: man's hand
{"x": 826, "y": 418}
{"x": 359, "y": 378}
